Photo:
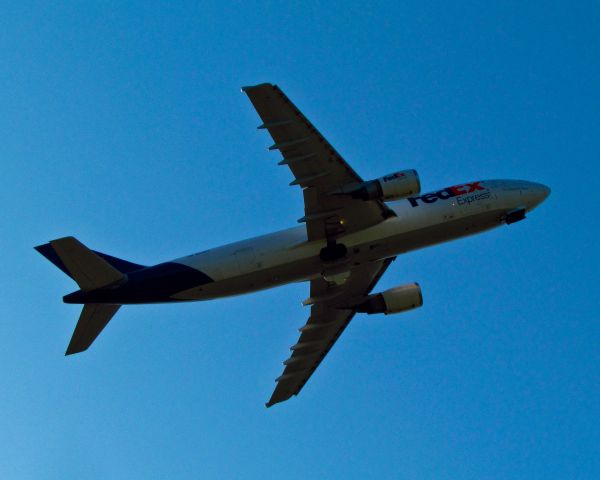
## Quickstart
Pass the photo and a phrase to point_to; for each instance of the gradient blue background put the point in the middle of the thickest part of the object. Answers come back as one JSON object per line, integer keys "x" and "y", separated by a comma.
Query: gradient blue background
{"x": 123, "y": 124}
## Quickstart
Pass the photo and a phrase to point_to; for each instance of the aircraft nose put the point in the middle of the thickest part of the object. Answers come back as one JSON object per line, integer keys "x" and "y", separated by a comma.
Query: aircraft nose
{"x": 539, "y": 193}
{"x": 542, "y": 191}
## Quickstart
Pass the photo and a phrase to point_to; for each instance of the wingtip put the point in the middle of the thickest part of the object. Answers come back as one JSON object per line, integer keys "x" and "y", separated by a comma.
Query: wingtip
{"x": 72, "y": 351}
{"x": 43, "y": 248}
{"x": 278, "y": 397}
{"x": 252, "y": 87}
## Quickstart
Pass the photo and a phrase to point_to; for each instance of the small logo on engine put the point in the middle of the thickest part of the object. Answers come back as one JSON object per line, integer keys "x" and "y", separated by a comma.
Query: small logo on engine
{"x": 391, "y": 177}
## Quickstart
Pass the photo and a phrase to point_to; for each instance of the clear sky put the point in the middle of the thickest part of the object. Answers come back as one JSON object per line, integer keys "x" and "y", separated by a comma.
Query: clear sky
{"x": 122, "y": 123}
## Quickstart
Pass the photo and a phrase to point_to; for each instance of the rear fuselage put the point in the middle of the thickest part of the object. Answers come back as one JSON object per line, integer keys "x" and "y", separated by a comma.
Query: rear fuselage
{"x": 287, "y": 256}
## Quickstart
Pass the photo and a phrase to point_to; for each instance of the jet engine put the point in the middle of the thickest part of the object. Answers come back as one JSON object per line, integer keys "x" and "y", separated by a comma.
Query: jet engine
{"x": 390, "y": 187}
{"x": 395, "y": 300}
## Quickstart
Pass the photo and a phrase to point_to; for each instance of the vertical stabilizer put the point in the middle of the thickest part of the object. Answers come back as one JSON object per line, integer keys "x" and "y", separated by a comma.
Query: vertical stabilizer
{"x": 91, "y": 271}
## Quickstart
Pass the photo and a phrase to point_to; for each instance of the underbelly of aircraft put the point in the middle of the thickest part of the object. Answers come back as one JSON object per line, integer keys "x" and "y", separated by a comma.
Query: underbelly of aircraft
{"x": 303, "y": 269}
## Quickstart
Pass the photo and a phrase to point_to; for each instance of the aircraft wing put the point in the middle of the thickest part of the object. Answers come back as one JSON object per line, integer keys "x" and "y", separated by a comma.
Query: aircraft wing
{"x": 328, "y": 319}
{"x": 316, "y": 167}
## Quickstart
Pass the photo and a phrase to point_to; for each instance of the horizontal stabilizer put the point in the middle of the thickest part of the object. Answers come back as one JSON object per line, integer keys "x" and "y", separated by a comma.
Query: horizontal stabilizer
{"x": 121, "y": 265}
{"x": 93, "y": 319}
{"x": 87, "y": 268}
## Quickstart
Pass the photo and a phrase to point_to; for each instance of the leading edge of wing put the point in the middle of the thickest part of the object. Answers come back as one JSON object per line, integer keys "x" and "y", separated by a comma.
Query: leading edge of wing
{"x": 292, "y": 380}
{"x": 268, "y": 99}
{"x": 281, "y": 393}
{"x": 317, "y": 167}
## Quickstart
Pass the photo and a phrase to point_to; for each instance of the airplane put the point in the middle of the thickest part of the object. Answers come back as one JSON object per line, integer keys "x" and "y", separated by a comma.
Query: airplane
{"x": 350, "y": 233}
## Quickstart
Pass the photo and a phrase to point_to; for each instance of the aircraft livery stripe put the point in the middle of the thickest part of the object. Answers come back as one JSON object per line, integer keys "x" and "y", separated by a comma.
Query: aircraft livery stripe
{"x": 152, "y": 284}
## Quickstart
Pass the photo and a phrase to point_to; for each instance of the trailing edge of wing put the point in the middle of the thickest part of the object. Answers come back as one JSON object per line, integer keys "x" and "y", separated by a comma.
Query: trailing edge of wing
{"x": 317, "y": 167}
{"x": 324, "y": 326}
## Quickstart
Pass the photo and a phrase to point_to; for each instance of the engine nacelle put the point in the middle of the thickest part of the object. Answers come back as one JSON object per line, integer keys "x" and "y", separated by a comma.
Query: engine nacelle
{"x": 391, "y": 187}
{"x": 395, "y": 300}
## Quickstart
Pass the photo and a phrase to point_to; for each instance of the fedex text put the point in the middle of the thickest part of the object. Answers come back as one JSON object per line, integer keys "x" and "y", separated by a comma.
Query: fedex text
{"x": 451, "y": 192}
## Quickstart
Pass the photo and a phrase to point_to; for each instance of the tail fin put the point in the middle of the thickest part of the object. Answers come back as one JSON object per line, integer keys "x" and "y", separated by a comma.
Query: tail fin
{"x": 94, "y": 317}
{"x": 91, "y": 270}
{"x": 86, "y": 267}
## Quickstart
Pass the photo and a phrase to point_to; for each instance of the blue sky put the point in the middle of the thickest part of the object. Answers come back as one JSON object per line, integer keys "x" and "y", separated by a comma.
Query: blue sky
{"x": 123, "y": 124}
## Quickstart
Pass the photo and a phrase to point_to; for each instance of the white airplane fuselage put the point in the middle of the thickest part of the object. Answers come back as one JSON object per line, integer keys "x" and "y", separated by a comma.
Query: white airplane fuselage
{"x": 287, "y": 256}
